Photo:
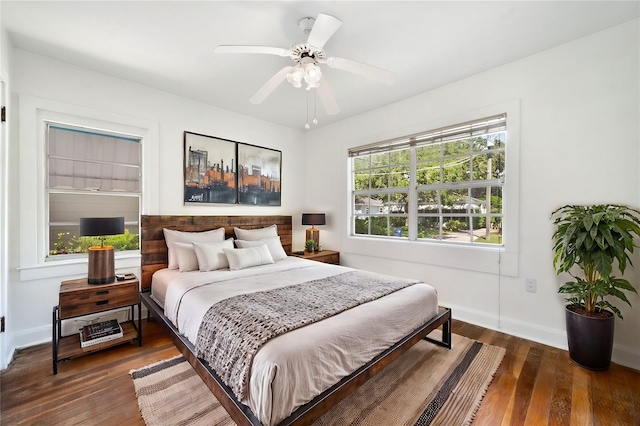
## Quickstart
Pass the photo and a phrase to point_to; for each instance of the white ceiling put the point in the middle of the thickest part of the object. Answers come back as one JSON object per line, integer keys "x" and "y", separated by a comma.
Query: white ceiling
{"x": 169, "y": 45}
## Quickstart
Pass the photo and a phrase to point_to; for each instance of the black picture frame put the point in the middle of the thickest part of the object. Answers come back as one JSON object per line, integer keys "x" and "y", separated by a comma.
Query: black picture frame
{"x": 259, "y": 171}
{"x": 210, "y": 170}
{"x": 222, "y": 171}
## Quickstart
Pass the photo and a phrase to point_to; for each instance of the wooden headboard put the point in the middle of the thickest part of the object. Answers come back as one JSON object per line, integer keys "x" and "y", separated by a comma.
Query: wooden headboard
{"x": 154, "y": 250}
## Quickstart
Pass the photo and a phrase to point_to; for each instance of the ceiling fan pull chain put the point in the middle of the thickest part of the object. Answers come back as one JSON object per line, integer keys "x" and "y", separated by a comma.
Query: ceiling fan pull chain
{"x": 306, "y": 126}
{"x": 315, "y": 107}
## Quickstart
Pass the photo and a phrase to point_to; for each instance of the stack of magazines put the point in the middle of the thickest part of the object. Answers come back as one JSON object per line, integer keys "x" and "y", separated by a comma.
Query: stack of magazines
{"x": 100, "y": 332}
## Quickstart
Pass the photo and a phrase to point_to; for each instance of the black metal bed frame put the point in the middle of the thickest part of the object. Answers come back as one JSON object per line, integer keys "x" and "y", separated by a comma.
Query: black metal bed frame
{"x": 309, "y": 412}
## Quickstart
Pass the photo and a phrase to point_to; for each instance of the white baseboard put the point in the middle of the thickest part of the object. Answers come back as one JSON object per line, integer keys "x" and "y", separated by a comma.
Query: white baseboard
{"x": 43, "y": 334}
{"x": 622, "y": 355}
{"x": 9, "y": 358}
{"x": 33, "y": 336}
{"x": 626, "y": 356}
{"x": 8, "y": 350}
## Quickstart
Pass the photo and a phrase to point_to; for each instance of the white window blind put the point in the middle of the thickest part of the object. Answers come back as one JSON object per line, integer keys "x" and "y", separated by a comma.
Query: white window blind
{"x": 485, "y": 126}
{"x": 89, "y": 161}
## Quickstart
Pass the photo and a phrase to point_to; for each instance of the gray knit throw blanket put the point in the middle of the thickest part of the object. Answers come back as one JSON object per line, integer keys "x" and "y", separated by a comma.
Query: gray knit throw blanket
{"x": 234, "y": 329}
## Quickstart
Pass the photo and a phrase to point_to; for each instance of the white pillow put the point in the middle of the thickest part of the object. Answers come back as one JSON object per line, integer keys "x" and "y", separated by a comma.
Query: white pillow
{"x": 186, "y": 256}
{"x": 172, "y": 236}
{"x": 247, "y": 257}
{"x": 273, "y": 244}
{"x": 256, "y": 234}
{"x": 210, "y": 255}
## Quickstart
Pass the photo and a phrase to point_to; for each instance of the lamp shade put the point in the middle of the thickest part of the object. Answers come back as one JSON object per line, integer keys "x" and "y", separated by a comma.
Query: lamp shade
{"x": 313, "y": 219}
{"x": 100, "y": 226}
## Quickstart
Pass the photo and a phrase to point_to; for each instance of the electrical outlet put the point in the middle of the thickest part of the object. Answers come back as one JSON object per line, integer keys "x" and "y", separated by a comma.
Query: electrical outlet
{"x": 531, "y": 285}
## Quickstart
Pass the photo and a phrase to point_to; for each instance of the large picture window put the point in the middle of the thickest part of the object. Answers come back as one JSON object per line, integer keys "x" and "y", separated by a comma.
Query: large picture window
{"x": 91, "y": 173}
{"x": 443, "y": 185}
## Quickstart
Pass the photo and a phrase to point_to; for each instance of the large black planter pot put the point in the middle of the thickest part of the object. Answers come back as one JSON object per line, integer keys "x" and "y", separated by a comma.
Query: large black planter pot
{"x": 590, "y": 340}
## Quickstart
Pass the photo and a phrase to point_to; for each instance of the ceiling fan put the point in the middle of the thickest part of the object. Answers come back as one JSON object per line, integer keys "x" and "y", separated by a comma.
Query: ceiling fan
{"x": 307, "y": 56}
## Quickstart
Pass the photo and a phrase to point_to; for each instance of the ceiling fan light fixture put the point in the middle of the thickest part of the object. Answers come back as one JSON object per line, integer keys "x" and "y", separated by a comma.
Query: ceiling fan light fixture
{"x": 296, "y": 76}
{"x": 312, "y": 75}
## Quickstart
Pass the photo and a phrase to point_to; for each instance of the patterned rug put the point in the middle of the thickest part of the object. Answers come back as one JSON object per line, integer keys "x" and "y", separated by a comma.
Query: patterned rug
{"x": 427, "y": 385}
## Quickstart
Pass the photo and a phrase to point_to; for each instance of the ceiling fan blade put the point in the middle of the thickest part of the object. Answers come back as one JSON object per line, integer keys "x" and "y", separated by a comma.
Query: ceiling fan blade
{"x": 383, "y": 76}
{"x": 270, "y": 85}
{"x": 252, "y": 49}
{"x": 322, "y": 30}
{"x": 326, "y": 97}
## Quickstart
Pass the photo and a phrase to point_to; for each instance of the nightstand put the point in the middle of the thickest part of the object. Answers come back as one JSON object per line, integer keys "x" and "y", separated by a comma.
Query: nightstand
{"x": 325, "y": 256}
{"x": 78, "y": 298}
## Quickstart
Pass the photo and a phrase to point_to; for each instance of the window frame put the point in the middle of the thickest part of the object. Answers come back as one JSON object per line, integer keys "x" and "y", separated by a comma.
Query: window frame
{"x": 32, "y": 246}
{"x": 49, "y": 191}
{"x": 441, "y": 256}
{"x": 479, "y": 127}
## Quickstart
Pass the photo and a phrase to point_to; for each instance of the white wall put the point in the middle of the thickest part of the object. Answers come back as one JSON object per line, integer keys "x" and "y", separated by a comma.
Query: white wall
{"x": 42, "y": 84}
{"x": 578, "y": 143}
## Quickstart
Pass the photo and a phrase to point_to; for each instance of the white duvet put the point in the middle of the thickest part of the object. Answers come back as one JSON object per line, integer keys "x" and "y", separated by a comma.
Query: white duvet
{"x": 293, "y": 368}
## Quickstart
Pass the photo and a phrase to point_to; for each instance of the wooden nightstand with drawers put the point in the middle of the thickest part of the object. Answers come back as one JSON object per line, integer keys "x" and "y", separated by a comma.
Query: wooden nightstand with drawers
{"x": 326, "y": 256}
{"x": 78, "y": 298}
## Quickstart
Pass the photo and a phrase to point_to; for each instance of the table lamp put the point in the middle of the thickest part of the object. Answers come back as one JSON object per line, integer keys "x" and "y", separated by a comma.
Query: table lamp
{"x": 313, "y": 219}
{"x": 101, "y": 264}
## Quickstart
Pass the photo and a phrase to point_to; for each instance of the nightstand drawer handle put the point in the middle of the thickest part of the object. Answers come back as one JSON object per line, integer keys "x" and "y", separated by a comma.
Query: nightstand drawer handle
{"x": 102, "y": 292}
{"x": 102, "y": 302}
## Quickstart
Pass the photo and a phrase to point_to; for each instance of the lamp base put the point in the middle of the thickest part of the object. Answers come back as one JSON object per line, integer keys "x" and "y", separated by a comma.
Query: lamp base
{"x": 101, "y": 265}
{"x": 313, "y": 234}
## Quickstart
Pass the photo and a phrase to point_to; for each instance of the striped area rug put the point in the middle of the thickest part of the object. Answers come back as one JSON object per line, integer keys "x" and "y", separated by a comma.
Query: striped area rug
{"x": 428, "y": 385}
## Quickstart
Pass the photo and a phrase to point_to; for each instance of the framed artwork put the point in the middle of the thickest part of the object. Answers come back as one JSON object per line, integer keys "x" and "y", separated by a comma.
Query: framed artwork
{"x": 223, "y": 171}
{"x": 259, "y": 175}
{"x": 210, "y": 169}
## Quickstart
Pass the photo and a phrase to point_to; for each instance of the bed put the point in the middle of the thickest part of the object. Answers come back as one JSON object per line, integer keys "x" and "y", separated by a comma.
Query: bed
{"x": 339, "y": 352}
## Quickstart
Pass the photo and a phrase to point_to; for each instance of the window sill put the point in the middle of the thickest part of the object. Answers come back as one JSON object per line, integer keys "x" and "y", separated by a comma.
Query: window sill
{"x": 73, "y": 266}
{"x": 479, "y": 258}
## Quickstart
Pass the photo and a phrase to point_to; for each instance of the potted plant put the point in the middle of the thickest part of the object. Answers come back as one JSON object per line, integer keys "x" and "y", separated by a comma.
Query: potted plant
{"x": 310, "y": 245}
{"x": 597, "y": 240}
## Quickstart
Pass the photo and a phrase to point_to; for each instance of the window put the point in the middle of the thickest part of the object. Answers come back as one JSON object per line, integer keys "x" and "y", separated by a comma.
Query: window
{"x": 443, "y": 185}
{"x": 91, "y": 173}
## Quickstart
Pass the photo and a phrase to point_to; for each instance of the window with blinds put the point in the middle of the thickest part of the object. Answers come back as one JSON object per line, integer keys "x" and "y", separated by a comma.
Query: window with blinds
{"x": 91, "y": 173}
{"x": 441, "y": 185}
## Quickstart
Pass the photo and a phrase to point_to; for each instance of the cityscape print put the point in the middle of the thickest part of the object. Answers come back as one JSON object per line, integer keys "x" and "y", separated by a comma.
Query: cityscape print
{"x": 223, "y": 171}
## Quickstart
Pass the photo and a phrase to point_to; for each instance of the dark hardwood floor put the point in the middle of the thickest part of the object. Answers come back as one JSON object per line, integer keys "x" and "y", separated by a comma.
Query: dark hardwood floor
{"x": 535, "y": 385}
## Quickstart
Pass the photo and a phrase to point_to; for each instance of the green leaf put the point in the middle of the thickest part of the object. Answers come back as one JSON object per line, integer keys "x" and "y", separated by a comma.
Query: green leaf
{"x": 588, "y": 242}
{"x": 580, "y": 240}
{"x": 572, "y": 287}
{"x": 568, "y": 234}
{"x": 606, "y": 305}
{"x": 623, "y": 284}
{"x": 597, "y": 217}
{"x": 606, "y": 233}
{"x": 620, "y": 295}
{"x": 574, "y": 301}
{"x": 602, "y": 262}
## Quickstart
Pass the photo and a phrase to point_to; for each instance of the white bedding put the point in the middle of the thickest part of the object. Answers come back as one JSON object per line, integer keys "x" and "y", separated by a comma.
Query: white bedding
{"x": 293, "y": 368}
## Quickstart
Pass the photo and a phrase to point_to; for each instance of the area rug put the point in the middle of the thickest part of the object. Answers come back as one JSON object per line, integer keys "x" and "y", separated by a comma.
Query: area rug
{"x": 427, "y": 385}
